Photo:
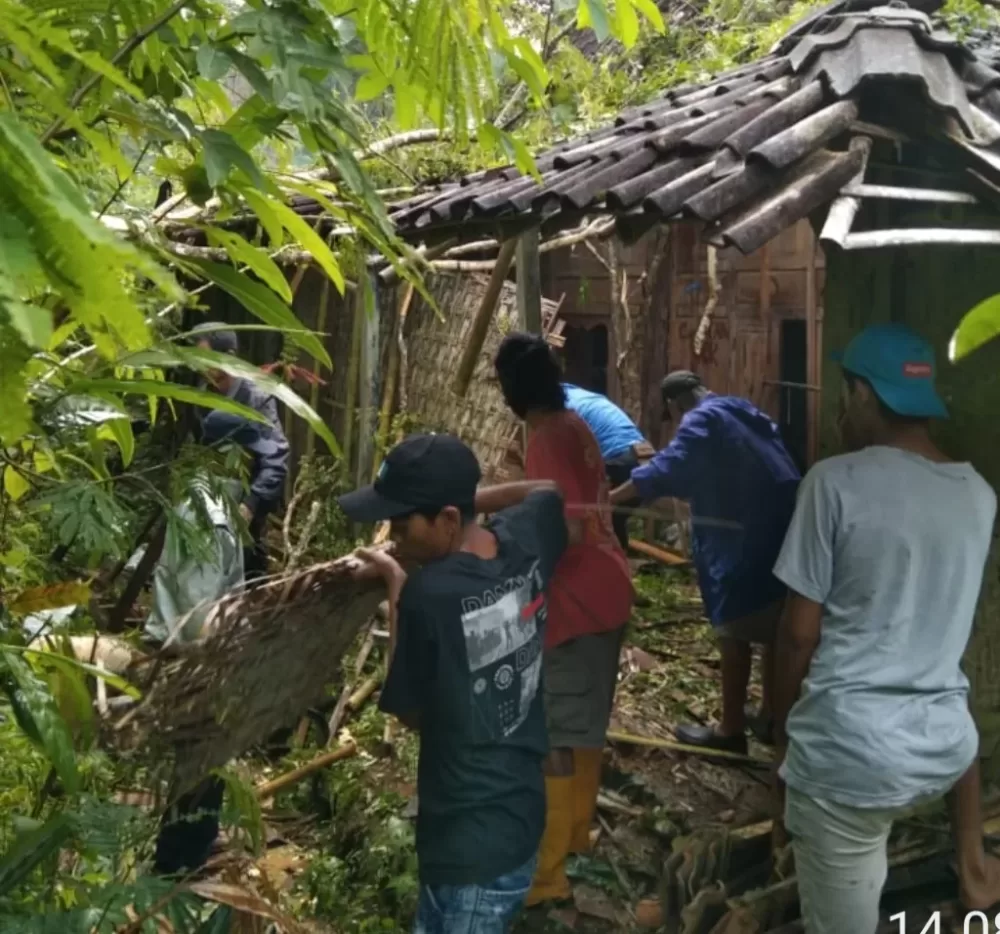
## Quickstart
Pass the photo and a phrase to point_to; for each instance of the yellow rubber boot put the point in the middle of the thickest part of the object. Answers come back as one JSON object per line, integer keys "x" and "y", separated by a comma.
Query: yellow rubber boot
{"x": 550, "y": 880}
{"x": 586, "y": 785}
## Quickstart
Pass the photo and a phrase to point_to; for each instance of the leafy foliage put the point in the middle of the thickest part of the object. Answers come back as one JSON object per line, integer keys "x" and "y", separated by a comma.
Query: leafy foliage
{"x": 978, "y": 327}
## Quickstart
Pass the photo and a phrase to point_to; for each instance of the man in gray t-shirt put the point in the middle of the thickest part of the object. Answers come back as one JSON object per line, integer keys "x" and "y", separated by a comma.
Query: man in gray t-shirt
{"x": 884, "y": 562}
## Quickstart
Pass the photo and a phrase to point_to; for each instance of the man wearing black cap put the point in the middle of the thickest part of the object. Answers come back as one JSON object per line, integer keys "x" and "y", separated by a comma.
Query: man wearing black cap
{"x": 728, "y": 461}
{"x": 466, "y": 630}
{"x": 269, "y": 445}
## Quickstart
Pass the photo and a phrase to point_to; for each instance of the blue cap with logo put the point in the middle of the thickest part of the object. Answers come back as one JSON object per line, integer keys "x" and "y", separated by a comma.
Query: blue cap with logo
{"x": 899, "y": 365}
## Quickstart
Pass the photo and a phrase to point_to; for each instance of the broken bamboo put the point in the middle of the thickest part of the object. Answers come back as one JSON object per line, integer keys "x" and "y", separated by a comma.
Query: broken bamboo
{"x": 481, "y": 323}
{"x": 660, "y": 554}
{"x": 269, "y": 789}
{"x": 631, "y": 739}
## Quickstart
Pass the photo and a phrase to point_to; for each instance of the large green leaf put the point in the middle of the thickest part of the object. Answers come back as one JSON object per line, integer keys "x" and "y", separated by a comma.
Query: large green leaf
{"x": 204, "y": 360}
{"x": 262, "y": 302}
{"x": 30, "y": 850}
{"x": 37, "y": 715}
{"x": 302, "y": 232}
{"x": 115, "y": 681}
{"x": 259, "y": 263}
{"x": 163, "y": 390}
{"x": 223, "y": 154}
{"x": 978, "y": 327}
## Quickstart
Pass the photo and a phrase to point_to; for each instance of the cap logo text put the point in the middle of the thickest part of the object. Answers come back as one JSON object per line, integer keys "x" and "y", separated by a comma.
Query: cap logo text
{"x": 918, "y": 370}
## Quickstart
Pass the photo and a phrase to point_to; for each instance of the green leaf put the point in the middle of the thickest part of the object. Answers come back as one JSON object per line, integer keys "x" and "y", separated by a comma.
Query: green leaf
{"x": 213, "y": 62}
{"x": 14, "y": 484}
{"x": 33, "y": 323}
{"x": 113, "y": 680}
{"x": 38, "y": 717}
{"x": 222, "y": 154}
{"x": 652, "y": 13}
{"x": 151, "y": 387}
{"x": 977, "y": 327}
{"x": 594, "y": 13}
{"x": 120, "y": 431}
{"x": 304, "y": 234}
{"x": 370, "y": 86}
{"x": 30, "y": 850}
{"x": 627, "y": 22}
{"x": 261, "y": 302}
{"x": 242, "y": 252}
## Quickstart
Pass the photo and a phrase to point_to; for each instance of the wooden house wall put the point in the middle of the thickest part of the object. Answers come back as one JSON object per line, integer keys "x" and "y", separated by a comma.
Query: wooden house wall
{"x": 742, "y": 353}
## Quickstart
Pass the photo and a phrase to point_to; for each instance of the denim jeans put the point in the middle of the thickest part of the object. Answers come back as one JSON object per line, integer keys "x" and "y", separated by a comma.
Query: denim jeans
{"x": 474, "y": 909}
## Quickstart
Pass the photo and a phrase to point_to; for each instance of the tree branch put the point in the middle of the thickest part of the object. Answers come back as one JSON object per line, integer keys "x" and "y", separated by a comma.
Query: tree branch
{"x": 131, "y": 44}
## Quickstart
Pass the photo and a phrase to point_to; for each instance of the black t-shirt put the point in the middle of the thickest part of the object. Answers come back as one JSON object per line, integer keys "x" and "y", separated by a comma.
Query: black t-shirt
{"x": 468, "y": 662}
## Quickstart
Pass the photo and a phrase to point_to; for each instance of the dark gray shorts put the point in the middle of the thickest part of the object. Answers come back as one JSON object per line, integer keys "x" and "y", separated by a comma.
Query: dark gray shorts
{"x": 580, "y": 680}
{"x": 759, "y": 628}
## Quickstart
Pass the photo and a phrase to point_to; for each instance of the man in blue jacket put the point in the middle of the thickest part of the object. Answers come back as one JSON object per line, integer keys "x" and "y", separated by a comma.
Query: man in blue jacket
{"x": 269, "y": 446}
{"x": 622, "y": 445}
{"x": 727, "y": 460}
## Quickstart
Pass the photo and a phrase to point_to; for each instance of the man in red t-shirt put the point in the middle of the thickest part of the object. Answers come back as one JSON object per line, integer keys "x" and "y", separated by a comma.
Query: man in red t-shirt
{"x": 590, "y": 600}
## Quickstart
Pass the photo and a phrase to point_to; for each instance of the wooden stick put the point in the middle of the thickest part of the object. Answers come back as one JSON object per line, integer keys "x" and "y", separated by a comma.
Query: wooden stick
{"x": 633, "y": 740}
{"x": 271, "y": 788}
{"x": 353, "y": 373}
{"x": 484, "y": 315}
{"x": 367, "y": 688}
{"x": 392, "y": 377}
{"x": 324, "y": 302}
{"x": 660, "y": 554}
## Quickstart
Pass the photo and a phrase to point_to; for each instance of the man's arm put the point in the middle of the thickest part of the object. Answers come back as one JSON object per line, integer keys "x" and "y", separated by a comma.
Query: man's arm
{"x": 382, "y": 564}
{"x": 795, "y": 644}
{"x": 626, "y": 493}
{"x": 673, "y": 471}
{"x": 504, "y": 495}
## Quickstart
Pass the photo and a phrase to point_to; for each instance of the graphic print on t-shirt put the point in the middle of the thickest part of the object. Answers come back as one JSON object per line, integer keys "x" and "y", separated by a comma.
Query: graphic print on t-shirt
{"x": 504, "y": 649}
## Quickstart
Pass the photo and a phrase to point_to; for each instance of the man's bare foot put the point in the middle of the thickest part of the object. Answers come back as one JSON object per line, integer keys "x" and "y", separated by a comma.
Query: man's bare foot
{"x": 979, "y": 886}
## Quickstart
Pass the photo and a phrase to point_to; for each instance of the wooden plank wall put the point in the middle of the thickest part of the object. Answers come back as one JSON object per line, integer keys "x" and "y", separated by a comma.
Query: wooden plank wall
{"x": 742, "y": 353}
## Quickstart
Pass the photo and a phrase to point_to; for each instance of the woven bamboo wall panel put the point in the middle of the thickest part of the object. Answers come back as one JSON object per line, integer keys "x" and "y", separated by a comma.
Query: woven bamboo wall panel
{"x": 435, "y": 343}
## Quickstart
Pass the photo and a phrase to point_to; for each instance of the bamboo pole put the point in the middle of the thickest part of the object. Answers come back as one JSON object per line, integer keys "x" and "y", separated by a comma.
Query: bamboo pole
{"x": 353, "y": 370}
{"x": 481, "y": 323}
{"x": 391, "y": 378}
{"x": 271, "y": 788}
{"x": 324, "y": 300}
{"x": 660, "y": 554}
{"x": 735, "y": 757}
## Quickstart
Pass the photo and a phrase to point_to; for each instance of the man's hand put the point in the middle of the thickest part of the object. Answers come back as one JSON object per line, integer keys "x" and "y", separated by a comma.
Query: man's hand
{"x": 626, "y": 493}
{"x": 246, "y": 513}
{"x": 386, "y": 567}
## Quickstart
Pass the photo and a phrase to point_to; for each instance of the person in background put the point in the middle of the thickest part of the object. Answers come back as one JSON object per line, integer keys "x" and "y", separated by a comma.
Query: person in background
{"x": 728, "y": 461}
{"x": 622, "y": 445}
{"x": 590, "y": 600}
{"x": 186, "y": 585}
{"x": 466, "y": 630}
{"x": 270, "y": 450}
{"x": 884, "y": 562}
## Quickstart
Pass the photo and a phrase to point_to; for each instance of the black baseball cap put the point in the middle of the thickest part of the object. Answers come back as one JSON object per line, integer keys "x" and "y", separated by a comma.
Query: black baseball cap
{"x": 426, "y": 471}
{"x": 678, "y": 383}
{"x": 219, "y": 338}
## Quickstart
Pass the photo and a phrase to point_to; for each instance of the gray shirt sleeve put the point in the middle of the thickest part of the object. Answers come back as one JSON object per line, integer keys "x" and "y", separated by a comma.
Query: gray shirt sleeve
{"x": 805, "y": 564}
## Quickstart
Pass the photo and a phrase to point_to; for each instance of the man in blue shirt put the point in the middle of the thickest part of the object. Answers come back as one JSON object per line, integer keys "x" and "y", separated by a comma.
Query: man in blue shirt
{"x": 622, "y": 445}
{"x": 727, "y": 460}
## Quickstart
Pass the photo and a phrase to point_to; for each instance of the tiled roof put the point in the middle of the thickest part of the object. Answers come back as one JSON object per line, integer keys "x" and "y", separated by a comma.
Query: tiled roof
{"x": 752, "y": 151}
